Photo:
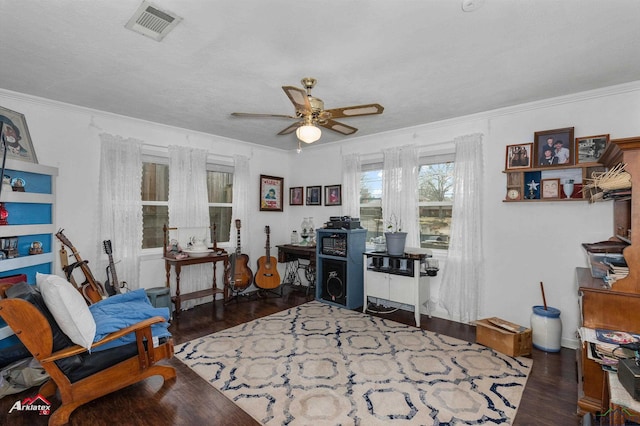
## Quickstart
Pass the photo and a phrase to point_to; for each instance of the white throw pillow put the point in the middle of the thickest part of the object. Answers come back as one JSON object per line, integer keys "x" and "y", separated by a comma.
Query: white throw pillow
{"x": 69, "y": 309}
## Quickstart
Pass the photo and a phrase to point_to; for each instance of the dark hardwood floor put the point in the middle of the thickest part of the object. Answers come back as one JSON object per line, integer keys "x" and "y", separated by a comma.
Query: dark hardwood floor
{"x": 549, "y": 398}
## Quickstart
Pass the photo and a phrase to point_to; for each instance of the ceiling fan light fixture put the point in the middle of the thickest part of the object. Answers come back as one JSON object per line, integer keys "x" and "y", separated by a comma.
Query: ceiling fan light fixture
{"x": 308, "y": 133}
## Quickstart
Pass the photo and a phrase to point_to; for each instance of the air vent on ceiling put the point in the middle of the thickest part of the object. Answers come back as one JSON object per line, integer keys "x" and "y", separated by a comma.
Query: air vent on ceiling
{"x": 152, "y": 22}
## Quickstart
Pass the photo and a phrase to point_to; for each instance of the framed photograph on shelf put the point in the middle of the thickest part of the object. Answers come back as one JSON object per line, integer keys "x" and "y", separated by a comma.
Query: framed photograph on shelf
{"x": 15, "y": 135}
{"x": 550, "y": 189}
{"x": 519, "y": 156}
{"x": 554, "y": 148}
{"x": 314, "y": 195}
{"x": 271, "y": 193}
{"x": 589, "y": 148}
{"x": 296, "y": 196}
{"x": 333, "y": 195}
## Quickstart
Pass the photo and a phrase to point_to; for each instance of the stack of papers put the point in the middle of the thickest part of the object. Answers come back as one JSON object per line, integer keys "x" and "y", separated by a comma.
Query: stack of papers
{"x": 604, "y": 346}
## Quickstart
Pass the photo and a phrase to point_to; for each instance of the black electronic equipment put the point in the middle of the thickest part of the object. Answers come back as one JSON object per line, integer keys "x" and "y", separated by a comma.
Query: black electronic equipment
{"x": 334, "y": 245}
{"x": 629, "y": 376}
{"x": 343, "y": 222}
{"x": 334, "y": 281}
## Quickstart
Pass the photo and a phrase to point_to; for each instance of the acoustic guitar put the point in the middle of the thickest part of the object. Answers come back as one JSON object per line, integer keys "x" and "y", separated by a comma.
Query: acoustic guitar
{"x": 112, "y": 285}
{"x": 91, "y": 289}
{"x": 241, "y": 274}
{"x": 267, "y": 276}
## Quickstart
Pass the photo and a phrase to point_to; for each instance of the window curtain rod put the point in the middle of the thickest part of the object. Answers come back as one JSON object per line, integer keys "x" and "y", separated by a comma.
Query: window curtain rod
{"x": 164, "y": 149}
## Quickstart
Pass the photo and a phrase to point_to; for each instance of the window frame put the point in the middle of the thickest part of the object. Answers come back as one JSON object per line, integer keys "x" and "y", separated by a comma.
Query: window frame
{"x": 212, "y": 166}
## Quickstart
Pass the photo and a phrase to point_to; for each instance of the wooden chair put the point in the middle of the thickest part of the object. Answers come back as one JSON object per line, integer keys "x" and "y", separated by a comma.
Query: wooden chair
{"x": 87, "y": 376}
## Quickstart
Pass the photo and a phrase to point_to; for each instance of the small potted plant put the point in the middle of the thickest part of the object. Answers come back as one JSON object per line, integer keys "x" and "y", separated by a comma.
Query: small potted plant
{"x": 394, "y": 236}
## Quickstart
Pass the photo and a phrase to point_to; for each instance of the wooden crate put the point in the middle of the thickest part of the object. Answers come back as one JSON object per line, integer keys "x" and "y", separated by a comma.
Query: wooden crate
{"x": 503, "y": 336}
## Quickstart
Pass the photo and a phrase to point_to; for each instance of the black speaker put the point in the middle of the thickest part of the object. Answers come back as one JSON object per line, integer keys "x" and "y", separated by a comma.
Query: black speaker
{"x": 334, "y": 281}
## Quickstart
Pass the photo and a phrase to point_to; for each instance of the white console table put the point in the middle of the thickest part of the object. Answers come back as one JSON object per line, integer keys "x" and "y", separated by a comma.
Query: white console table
{"x": 400, "y": 279}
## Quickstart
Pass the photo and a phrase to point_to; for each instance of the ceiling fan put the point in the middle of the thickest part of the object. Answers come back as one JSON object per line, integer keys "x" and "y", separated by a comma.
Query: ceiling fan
{"x": 311, "y": 113}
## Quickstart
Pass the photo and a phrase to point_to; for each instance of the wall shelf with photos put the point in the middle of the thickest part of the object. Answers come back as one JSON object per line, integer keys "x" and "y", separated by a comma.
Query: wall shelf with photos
{"x": 543, "y": 184}
{"x": 555, "y": 167}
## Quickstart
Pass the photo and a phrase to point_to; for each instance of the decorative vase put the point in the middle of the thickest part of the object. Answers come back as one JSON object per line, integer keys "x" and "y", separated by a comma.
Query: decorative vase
{"x": 567, "y": 188}
{"x": 395, "y": 242}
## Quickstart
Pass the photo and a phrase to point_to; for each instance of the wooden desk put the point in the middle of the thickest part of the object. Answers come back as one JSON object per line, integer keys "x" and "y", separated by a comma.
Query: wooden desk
{"x": 290, "y": 254}
{"x": 179, "y": 263}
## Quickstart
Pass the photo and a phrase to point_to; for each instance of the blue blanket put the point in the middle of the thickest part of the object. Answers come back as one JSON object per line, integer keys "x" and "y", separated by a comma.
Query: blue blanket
{"x": 123, "y": 310}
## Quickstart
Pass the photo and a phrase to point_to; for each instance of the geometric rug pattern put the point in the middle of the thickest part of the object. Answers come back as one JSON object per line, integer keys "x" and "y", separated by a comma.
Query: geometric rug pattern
{"x": 317, "y": 364}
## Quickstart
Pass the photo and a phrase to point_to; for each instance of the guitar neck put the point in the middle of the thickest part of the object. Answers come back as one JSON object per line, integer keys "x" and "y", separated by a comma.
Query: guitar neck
{"x": 114, "y": 276}
{"x": 238, "y": 248}
{"x": 268, "y": 250}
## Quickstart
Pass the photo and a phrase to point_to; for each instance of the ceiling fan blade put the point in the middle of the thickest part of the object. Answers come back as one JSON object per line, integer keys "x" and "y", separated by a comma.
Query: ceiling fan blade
{"x": 299, "y": 99}
{"x": 338, "y": 127}
{"x": 253, "y": 115}
{"x": 356, "y": 110}
{"x": 290, "y": 129}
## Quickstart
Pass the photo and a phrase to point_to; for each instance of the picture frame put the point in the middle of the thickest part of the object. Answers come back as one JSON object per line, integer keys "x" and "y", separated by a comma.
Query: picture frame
{"x": 333, "y": 195}
{"x": 15, "y": 134}
{"x": 550, "y": 189}
{"x": 271, "y": 190}
{"x": 559, "y": 142}
{"x": 296, "y": 196}
{"x": 519, "y": 156}
{"x": 588, "y": 149}
{"x": 314, "y": 195}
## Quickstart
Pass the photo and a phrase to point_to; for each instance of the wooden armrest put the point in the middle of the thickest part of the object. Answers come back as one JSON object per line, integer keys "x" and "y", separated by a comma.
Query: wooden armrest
{"x": 76, "y": 349}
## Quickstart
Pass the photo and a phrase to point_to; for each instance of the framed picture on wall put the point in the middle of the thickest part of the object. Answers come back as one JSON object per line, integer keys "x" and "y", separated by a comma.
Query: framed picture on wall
{"x": 550, "y": 189}
{"x": 296, "y": 196}
{"x": 590, "y": 148}
{"x": 271, "y": 193}
{"x": 333, "y": 195}
{"x": 554, "y": 148}
{"x": 519, "y": 156}
{"x": 314, "y": 195}
{"x": 15, "y": 135}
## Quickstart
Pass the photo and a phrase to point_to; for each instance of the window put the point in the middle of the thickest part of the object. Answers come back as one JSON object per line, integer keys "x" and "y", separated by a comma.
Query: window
{"x": 220, "y": 189}
{"x": 435, "y": 202}
{"x": 435, "y": 187}
{"x": 155, "y": 201}
{"x": 371, "y": 200}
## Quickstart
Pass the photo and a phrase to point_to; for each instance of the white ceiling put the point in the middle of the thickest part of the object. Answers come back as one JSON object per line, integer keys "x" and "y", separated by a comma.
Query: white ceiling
{"x": 423, "y": 60}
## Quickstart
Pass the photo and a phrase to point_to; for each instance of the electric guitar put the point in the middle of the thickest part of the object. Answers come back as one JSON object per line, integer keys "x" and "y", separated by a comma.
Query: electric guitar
{"x": 241, "y": 274}
{"x": 112, "y": 286}
{"x": 267, "y": 276}
{"x": 91, "y": 289}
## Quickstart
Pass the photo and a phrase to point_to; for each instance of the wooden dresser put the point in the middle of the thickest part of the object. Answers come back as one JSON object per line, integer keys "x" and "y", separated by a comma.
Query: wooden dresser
{"x": 617, "y": 308}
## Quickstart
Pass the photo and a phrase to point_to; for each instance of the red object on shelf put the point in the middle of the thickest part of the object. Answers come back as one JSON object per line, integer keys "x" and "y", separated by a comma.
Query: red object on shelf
{"x": 4, "y": 214}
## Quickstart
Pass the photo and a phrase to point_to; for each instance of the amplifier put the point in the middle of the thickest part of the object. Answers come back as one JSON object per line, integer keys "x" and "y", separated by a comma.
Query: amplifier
{"x": 341, "y": 224}
{"x": 334, "y": 245}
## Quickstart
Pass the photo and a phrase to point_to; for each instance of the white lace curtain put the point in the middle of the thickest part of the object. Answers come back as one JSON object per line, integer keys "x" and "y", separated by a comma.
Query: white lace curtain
{"x": 120, "y": 210}
{"x": 351, "y": 185}
{"x": 240, "y": 206}
{"x": 462, "y": 276}
{"x": 188, "y": 208}
{"x": 400, "y": 191}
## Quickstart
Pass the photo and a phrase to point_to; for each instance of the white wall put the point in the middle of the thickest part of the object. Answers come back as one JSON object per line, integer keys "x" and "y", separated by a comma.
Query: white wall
{"x": 524, "y": 243}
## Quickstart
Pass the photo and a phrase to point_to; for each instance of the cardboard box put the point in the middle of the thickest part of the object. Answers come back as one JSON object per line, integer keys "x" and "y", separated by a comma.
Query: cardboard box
{"x": 504, "y": 336}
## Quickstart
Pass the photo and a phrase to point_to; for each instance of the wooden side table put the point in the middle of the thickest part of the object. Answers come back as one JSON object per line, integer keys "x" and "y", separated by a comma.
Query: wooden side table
{"x": 177, "y": 264}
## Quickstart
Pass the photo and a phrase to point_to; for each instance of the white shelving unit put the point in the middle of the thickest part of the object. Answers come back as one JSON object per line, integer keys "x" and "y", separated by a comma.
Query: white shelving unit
{"x": 395, "y": 278}
{"x": 30, "y": 224}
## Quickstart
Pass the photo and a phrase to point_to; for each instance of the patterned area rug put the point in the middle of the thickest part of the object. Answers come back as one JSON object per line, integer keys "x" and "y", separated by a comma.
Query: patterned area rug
{"x": 317, "y": 364}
